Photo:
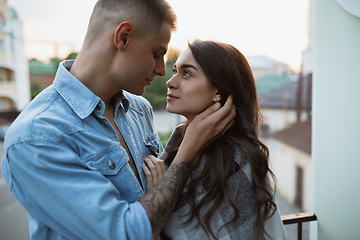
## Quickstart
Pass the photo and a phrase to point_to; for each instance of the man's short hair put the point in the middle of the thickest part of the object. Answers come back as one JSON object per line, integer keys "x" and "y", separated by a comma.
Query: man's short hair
{"x": 146, "y": 15}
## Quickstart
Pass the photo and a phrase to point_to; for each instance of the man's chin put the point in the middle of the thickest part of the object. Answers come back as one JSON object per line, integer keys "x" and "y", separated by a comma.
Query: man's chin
{"x": 136, "y": 92}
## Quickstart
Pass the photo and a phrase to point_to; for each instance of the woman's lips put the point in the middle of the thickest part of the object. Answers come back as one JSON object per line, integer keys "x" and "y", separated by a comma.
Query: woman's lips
{"x": 171, "y": 97}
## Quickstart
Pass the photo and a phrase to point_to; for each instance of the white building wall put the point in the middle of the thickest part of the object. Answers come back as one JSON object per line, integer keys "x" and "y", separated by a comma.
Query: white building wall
{"x": 278, "y": 119}
{"x": 15, "y": 60}
{"x": 307, "y": 61}
{"x": 336, "y": 123}
{"x": 22, "y": 69}
{"x": 308, "y": 54}
{"x": 283, "y": 162}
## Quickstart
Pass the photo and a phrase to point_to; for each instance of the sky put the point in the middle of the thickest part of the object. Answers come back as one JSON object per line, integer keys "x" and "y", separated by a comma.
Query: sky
{"x": 276, "y": 28}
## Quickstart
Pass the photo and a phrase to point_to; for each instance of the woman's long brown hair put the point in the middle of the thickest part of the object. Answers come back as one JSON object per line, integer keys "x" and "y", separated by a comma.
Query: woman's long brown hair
{"x": 227, "y": 69}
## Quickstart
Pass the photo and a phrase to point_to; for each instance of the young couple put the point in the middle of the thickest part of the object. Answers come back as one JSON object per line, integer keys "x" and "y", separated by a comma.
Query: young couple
{"x": 74, "y": 156}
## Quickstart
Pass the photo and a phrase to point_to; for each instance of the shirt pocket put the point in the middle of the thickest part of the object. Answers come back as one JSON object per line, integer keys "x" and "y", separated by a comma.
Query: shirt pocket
{"x": 108, "y": 161}
{"x": 152, "y": 145}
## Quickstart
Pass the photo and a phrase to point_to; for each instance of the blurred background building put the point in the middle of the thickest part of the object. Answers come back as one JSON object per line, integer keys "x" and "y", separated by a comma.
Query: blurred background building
{"x": 266, "y": 66}
{"x": 14, "y": 96}
{"x": 14, "y": 74}
{"x": 314, "y": 154}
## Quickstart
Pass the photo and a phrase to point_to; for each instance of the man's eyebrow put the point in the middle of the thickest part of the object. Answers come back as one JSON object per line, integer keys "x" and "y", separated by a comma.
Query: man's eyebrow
{"x": 164, "y": 49}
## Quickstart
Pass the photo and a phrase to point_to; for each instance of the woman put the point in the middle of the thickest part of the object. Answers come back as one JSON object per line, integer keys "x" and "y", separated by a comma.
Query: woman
{"x": 229, "y": 195}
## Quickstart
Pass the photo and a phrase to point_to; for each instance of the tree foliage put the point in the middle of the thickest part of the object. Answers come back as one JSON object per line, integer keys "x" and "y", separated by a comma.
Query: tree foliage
{"x": 35, "y": 89}
{"x": 72, "y": 55}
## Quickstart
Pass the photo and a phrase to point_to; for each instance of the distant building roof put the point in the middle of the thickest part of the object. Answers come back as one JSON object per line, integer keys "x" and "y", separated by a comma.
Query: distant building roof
{"x": 298, "y": 135}
{"x": 270, "y": 82}
{"x": 263, "y": 62}
{"x": 286, "y": 95}
{"x": 39, "y": 67}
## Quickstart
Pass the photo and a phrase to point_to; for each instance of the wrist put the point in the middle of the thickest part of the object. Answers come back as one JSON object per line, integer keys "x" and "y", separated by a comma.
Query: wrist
{"x": 187, "y": 154}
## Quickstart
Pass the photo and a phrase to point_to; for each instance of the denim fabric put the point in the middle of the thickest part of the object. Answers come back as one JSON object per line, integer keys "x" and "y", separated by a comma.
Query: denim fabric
{"x": 64, "y": 163}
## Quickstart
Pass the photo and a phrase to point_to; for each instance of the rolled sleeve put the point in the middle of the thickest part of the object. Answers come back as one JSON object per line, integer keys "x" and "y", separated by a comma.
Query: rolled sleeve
{"x": 59, "y": 189}
{"x": 137, "y": 222}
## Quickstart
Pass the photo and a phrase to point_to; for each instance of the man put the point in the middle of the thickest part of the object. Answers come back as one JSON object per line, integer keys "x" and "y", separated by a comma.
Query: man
{"x": 73, "y": 157}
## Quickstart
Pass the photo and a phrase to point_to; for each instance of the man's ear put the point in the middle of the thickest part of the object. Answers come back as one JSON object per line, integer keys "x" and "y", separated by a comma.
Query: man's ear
{"x": 122, "y": 34}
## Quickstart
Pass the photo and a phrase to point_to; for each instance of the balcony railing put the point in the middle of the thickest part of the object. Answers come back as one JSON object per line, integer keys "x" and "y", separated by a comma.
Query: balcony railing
{"x": 299, "y": 218}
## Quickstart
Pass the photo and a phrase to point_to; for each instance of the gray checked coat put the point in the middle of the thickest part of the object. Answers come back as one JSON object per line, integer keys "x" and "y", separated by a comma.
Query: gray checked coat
{"x": 243, "y": 228}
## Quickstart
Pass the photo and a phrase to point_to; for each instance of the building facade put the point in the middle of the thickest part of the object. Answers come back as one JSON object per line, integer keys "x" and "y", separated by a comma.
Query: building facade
{"x": 336, "y": 118}
{"x": 290, "y": 160}
{"x": 264, "y": 66}
{"x": 14, "y": 73}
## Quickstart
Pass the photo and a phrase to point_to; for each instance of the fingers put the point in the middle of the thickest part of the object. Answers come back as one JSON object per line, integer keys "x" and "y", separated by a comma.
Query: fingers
{"x": 148, "y": 177}
{"x": 228, "y": 111}
{"x": 229, "y": 101}
{"x": 229, "y": 119}
{"x": 156, "y": 165}
{"x": 154, "y": 170}
{"x": 227, "y": 115}
{"x": 210, "y": 124}
{"x": 209, "y": 111}
{"x": 159, "y": 164}
{"x": 206, "y": 128}
{"x": 219, "y": 119}
{"x": 228, "y": 126}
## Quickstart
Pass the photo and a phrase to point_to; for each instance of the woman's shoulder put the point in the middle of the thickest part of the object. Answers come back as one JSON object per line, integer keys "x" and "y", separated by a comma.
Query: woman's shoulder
{"x": 173, "y": 142}
{"x": 239, "y": 155}
{"x": 241, "y": 165}
{"x": 175, "y": 136}
{"x": 242, "y": 162}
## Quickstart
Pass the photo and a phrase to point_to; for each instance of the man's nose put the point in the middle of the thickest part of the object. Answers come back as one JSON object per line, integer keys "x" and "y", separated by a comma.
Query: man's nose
{"x": 160, "y": 68}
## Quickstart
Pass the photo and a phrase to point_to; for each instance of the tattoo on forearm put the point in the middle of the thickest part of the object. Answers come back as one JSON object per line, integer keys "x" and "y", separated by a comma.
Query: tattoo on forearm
{"x": 160, "y": 202}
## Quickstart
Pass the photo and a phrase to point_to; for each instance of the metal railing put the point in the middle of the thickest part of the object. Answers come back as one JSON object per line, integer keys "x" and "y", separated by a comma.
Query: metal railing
{"x": 299, "y": 218}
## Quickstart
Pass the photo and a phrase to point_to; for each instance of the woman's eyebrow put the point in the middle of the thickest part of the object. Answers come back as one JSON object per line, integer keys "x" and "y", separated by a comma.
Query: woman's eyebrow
{"x": 188, "y": 66}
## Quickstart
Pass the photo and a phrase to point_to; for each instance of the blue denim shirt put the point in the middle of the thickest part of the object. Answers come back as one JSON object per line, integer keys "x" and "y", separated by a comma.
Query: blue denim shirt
{"x": 64, "y": 163}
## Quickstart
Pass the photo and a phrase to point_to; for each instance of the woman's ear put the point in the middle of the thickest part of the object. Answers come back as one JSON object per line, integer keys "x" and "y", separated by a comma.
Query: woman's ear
{"x": 217, "y": 97}
{"x": 122, "y": 34}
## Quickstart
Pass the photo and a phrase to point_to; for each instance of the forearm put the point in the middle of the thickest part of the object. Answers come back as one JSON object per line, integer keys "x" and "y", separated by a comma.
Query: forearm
{"x": 160, "y": 202}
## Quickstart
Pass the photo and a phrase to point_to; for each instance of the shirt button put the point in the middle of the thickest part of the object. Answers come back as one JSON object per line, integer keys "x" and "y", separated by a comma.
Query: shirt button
{"x": 98, "y": 106}
{"x": 112, "y": 165}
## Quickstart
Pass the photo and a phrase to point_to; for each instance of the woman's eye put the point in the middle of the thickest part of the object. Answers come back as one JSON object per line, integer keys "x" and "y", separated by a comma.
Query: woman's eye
{"x": 156, "y": 55}
{"x": 186, "y": 73}
{"x": 174, "y": 71}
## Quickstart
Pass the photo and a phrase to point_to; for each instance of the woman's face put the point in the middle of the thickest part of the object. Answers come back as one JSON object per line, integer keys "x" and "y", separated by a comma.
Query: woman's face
{"x": 189, "y": 92}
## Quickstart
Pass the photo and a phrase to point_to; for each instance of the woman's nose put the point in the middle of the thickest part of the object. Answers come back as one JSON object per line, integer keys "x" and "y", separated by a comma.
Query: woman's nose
{"x": 171, "y": 82}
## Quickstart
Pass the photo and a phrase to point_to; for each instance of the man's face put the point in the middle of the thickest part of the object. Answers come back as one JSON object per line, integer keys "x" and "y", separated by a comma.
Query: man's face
{"x": 144, "y": 60}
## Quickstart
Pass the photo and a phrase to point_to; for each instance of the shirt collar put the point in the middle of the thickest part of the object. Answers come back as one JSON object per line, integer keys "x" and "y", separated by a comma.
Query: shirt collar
{"x": 81, "y": 99}
{"x": 121, "y": 101}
